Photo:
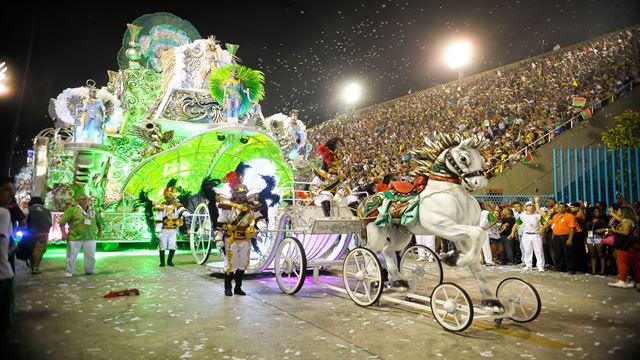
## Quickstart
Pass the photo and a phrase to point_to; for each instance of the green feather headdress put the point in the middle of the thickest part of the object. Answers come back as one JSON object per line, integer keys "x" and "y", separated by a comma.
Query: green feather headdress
{"x": 253, "y": 80}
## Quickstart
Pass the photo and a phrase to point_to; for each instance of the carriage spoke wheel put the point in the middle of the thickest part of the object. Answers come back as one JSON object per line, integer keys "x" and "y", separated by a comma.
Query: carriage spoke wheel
{"x": 451, "y": 307}
{"x": 520, "y": 299}
{"x": 362, "y": 276}
{"x": 421, "y": 267}
{"x": 200, "y": 234}
{"x": 290, "y": 265}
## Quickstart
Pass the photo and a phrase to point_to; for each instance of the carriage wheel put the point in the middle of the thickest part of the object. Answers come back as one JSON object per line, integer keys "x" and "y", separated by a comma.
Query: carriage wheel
{"x": 290, "y": 265}
{"x": 422, "y": 268}
{"x": 451, "y": 307}
{"x": 362, "y": 276}
{"x": 520, "y": 298}
{"x": 200, "y": 234}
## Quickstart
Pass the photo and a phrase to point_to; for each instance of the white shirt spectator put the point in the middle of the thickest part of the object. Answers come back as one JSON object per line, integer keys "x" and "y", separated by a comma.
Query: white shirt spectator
{"x": 6, "y": 229}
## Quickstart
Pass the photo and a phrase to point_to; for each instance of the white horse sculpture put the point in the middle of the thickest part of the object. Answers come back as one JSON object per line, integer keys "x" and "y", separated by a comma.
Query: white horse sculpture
{"x": 454, "y": 166}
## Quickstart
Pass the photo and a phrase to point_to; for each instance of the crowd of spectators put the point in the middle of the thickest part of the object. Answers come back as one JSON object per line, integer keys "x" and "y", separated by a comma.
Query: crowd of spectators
{"x": 570, "y": 235}
{"x": 519, "y": 105}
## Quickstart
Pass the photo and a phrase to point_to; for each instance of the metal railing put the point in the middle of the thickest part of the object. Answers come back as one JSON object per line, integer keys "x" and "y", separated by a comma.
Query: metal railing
{"x": 550, "y": 135}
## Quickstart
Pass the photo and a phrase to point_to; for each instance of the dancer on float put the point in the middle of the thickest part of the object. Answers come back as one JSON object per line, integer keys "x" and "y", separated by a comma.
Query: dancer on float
{"x": 169, "y": 217}
{"x": 329, "y": 182}
{"x": 237, "y": 222}
{"x": 233, "y": 90}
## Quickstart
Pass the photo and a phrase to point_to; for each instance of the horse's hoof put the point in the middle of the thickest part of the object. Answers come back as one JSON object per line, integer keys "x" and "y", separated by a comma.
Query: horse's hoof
{"x": 493, "y": 306}
{"x": 451, "y": 258}
{"x": 399, "y": 285}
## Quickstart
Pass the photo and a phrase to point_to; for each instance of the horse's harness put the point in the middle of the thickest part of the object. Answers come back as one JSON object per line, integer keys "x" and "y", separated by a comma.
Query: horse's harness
{"x": 456, "y": 169}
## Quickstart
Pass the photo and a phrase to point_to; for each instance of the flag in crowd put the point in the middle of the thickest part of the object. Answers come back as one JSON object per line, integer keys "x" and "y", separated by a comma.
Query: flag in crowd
{"x": 579, "y": 101}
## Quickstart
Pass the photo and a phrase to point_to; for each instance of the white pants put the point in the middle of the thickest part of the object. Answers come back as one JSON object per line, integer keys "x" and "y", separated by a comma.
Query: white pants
{"x": 73, "y": 248}
{"x": 168, "y": 239}
{"x": 237, "y": 255}
{"x": 486, "y": 251}
{"x": 428, "y": 241}
{"x": 532, "y": 243}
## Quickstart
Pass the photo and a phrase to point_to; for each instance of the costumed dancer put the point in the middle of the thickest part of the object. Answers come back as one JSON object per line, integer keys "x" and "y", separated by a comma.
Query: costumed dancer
{"x": 233, "y": 90}
{"x": 92, "y": 123}
{"x": 328, "y": 184}
{"x": 170, "y": 216}
{"x": 237, "y": 222}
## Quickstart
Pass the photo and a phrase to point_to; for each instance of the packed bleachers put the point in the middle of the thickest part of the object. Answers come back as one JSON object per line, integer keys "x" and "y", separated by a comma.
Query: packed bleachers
{"x": 520, "y": 105}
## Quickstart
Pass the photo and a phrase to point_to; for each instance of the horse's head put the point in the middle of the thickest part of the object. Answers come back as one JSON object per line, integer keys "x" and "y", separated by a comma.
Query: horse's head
{"x": 453, "y": 156}
{"x": 466, "y": 161}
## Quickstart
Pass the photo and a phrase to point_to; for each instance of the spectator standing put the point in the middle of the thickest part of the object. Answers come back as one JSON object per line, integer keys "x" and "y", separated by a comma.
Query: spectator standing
{"x": 487, "y": 220}
{"x": 626, "y": 245}
{"x": 38, "y": 226}
{"x": 580, "y": 237}
{"x": 564, "y": 228}
{"x": 85, "y": 227}
{"x": 505, "y": 230}
{"x": 595, "y": 227}
{"x": 7, "y": 291}
{"x": 531, "y": 239}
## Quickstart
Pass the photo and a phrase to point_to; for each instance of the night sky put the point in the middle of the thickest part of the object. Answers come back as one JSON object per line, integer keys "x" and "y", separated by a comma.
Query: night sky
{"x": 308, "y": 50}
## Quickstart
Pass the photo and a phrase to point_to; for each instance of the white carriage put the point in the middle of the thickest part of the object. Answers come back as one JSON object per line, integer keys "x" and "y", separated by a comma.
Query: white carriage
{"x": 301, "y": 238}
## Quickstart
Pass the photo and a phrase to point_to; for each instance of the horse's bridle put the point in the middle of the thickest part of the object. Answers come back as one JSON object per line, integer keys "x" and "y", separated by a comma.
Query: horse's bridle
{"x": 456, "y": 168}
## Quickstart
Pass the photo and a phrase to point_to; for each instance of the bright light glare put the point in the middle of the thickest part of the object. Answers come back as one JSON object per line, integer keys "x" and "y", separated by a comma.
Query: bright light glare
{"x": 352, "y": 93}
{"x": 3, "y": 76}
{"x": 458, "y": 54}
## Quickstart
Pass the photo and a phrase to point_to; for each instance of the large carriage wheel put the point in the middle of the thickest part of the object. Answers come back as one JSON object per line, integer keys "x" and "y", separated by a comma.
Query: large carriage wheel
{"x": 362, "y": 276}
{"x": 200, "y": 234}
{"x": 520, "y": 298}
{"x": 451, "y": 307}
{"x": 422, "y": 268}
{"x": 290, "y": 265}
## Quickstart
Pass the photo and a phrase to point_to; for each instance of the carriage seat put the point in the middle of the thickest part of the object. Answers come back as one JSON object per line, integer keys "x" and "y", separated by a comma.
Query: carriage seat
{"x": 403, "y": 187}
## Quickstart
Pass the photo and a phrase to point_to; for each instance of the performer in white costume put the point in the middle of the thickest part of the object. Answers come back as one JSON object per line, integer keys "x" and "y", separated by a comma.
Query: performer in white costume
{"x": 169, "y": 217}
{"x": 239, "y": 217}
{"x": 329, "y": 183}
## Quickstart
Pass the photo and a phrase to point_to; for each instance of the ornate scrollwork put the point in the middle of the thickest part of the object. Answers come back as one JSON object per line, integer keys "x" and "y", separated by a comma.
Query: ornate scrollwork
{"x": 192, "y": 106}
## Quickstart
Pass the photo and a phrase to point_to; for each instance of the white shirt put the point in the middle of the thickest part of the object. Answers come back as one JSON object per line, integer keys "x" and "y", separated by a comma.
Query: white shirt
{"x": 6, "y": 229}
{"x": 530, "y": 223}
{"x": 484, "y": 221}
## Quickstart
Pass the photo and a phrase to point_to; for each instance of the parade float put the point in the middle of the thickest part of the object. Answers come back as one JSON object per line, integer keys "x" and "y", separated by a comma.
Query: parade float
{"x": 161, "y": 116}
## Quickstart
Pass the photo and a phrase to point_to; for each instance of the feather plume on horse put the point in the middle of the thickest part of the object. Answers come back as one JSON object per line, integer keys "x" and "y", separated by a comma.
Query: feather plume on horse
{"x": 144, "y": 201}
{"x": 268, "y": 194}
{"x": 207, "y": 189}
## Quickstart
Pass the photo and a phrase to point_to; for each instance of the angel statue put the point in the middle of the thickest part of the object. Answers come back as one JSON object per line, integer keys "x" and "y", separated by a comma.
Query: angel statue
{"x": 152, "y": 133}
{"x": 237, "y": 88}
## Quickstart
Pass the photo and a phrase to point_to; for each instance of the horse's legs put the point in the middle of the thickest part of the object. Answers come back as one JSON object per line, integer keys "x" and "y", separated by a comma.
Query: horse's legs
{"x": 468, "y": 239}
{"x": 399, "y": 240}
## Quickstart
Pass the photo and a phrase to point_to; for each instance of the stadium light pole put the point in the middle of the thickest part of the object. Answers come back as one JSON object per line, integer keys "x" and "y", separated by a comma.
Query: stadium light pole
{"x": 457, "y": 55}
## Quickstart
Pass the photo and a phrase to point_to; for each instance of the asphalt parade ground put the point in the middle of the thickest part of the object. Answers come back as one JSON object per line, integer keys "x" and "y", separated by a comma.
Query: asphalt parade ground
{"x": 181, "y": 313}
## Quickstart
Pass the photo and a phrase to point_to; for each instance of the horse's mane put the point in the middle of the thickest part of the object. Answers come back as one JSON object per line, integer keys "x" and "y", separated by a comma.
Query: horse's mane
{"x": 427, "y": 156}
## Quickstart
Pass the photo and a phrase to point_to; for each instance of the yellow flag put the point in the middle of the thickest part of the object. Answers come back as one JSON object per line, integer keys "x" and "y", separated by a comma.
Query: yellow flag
{"x": 575, "y": 83}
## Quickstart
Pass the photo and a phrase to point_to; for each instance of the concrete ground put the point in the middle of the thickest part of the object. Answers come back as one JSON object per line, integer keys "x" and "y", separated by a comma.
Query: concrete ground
{"x": 181, "y": 313}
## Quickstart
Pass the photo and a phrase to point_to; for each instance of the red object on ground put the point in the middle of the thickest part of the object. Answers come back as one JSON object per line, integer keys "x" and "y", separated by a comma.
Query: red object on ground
{"x": 125, "y": 292}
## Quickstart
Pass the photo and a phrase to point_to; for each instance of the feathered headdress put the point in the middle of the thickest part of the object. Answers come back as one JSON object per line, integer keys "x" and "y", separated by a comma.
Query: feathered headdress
{"x": 331, "y": 159}
{"x": 232, "y": 179}
{"x": 241, "y": 169}
{"x": 171, "y": 189}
